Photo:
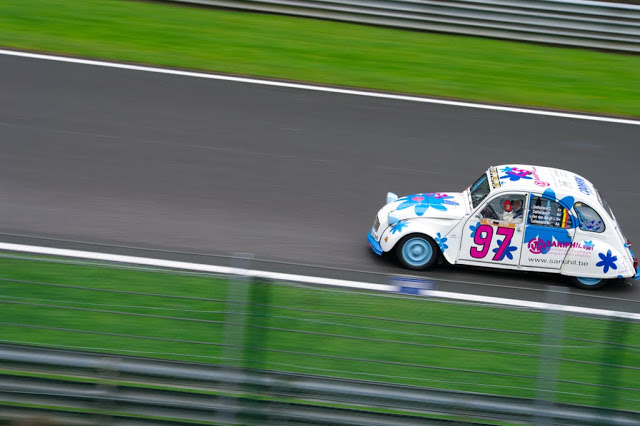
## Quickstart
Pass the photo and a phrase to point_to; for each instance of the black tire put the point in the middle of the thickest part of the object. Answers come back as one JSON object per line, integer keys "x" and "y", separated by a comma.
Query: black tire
{"x": 588, "y": 283}
{"x": 417, "y": 252}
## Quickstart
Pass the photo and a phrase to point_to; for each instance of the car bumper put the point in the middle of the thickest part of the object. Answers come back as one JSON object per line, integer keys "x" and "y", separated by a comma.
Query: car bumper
{"x": 375, "y": 246}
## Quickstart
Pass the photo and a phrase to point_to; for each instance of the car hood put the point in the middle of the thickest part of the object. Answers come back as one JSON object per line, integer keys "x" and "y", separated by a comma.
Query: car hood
{"x": 449, "y": 205}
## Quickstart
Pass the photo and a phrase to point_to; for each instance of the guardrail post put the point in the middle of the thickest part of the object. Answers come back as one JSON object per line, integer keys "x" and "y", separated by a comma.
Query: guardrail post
{"x": 257, "y": 333}
{"x": 107, "y": 388}
{"x": 233, "y": 351}
{"x": 236, "y": 313}
{"x": 549, "y": 354}
{"x": 612, "y": 358}
{"x": 256, "y": 342}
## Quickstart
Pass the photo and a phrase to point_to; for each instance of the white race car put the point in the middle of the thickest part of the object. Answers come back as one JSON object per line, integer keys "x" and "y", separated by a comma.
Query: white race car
{"x": 519, "y": 217}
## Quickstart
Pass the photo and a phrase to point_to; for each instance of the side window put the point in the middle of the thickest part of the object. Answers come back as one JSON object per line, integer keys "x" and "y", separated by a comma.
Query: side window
{"x": 507, "y": 208}
{"x": 590, "y": 220}
{"x": 545, "y": 212}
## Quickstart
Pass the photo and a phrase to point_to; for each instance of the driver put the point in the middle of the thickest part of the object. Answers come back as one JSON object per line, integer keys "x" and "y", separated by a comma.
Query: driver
{"x": 513, "y": 210}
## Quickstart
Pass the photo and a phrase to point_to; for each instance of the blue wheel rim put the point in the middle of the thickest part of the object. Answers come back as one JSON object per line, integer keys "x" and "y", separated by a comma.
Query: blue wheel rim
{"x": 417, "y": 251}
{"x": 589, "y": 281}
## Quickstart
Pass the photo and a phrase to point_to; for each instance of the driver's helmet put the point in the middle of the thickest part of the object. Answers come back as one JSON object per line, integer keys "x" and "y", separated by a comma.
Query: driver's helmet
{"x": 513, "y": 207}
{"x": 518, "y": 206}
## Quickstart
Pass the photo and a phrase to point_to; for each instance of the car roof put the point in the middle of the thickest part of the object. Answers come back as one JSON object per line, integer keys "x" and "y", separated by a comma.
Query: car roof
{"x": 523, "y": 177}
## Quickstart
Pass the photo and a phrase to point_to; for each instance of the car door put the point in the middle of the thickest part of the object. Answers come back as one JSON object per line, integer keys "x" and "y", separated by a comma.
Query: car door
{"x": 548, "y": 233}
{"x": 493, "y": 235}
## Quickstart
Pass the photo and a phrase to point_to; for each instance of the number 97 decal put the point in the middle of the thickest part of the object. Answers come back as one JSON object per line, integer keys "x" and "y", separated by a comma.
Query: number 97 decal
{"x": 483, "y": 238}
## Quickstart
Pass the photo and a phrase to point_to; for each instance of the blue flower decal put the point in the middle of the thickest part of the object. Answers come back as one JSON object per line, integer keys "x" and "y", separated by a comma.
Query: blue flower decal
{"x": 608, "y": 261}
{"x": 441, "y": 242}
{"x": 473, "y": 229}
{"x": 398, "y": 226}
{"x": 515, "y": 174}
{"x": 589, "y": 245}
{"x": 422, "y": 202}
{"x": 507, "y": 252}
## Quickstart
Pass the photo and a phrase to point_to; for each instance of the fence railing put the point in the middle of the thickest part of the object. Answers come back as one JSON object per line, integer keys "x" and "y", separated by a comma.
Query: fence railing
{"x": 590, "y": 24}
{"x": 418, "y": 345}
{"x": 102, "y": 386}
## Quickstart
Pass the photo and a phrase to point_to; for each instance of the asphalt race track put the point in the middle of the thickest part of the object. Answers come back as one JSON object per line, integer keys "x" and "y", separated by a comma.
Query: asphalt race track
{"x": 100, "y": 159}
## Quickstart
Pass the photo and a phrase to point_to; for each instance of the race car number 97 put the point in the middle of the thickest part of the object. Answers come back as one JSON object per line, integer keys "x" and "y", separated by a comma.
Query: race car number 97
{"x": 483, "y": 238}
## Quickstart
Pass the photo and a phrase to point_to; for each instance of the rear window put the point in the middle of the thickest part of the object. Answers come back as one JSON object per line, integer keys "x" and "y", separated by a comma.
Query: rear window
{"x": 590, "y": 220}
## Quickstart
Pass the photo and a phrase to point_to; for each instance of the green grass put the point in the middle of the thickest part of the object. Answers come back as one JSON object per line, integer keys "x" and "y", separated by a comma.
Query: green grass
{"x": 327, "y": 52}
{"x": 393, "y": 339}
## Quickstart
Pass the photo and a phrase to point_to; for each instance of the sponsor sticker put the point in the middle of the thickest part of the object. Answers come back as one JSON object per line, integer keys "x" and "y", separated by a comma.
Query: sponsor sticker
{"x": 495, "y": 180}
{"x": 538, "y": 245}
{"x": 500, "y": 223}
{"x": 537, "y": 180}
{"x": 582, "y": 185}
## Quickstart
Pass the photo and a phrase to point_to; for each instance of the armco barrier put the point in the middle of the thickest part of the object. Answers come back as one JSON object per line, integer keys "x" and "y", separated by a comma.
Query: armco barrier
{"x": 597, "y": 25}
{"x": 167, "y": 390}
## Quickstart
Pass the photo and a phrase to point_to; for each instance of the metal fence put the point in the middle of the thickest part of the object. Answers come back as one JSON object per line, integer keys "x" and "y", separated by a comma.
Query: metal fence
{"x": 590, "y": 24}
{"x": 102, "y": 389}
{"x": 430, "y": 352}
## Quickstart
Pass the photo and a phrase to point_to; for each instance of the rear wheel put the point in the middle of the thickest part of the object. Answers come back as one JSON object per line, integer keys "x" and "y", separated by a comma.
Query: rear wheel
{"x": 417, "y": 252}
{"x": 589, "y": 283}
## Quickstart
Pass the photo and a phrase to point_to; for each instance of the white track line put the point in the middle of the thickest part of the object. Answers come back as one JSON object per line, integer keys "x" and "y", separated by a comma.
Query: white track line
{"x": 305, "y": 279}
{"x": 318, "y": 88}
{"x": 224, "y": 270}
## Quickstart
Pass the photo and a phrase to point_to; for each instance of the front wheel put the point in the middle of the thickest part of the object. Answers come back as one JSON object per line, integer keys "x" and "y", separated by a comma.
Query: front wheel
{"x": 589, "y": 283}
{"x": 417, "y": 252}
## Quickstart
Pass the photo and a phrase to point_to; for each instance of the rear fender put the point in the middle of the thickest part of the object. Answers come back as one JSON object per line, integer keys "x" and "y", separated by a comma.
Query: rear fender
{"x": 603, "y": 260}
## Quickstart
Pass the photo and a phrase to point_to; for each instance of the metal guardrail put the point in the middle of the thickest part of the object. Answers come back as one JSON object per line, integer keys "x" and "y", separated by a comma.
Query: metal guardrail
{"x": 590, "y": 24}
{"x": 181, "y": 392}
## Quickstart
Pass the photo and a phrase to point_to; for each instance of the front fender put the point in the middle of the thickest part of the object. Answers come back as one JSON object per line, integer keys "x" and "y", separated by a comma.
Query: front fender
{"x": 437, "y": 229}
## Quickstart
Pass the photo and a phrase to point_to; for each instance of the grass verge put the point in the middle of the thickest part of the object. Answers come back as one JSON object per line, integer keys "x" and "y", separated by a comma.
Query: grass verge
{"x": 386, "y": 338}
{"x": 327, "y": 52}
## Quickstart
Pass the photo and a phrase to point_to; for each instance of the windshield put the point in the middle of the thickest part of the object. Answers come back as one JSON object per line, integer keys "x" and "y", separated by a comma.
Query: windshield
{"x": 479, "y": 190}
